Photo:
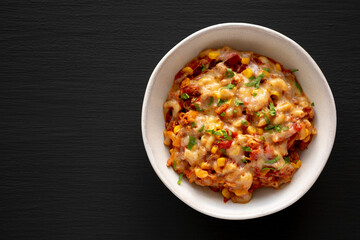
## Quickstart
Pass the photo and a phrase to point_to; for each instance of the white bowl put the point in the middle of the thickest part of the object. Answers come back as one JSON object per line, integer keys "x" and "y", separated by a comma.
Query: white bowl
{"x": 264, "y": 41}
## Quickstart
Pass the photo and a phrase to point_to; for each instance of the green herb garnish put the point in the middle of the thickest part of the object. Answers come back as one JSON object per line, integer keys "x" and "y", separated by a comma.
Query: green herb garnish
{"x": 213, "y": 132}
{"x": 266, "y": 117}
{"x": 256, "y": 82}
{"x": 230, "y": 86}
{"x": 203, "y": 67}
{"x": 235, "y": 111}
{"x": 272, "y": 109}
{"x": 246, "y": 149}
{"x": 254, "y": 94}
{"x": 298, "y": 86}
{"x": 229, "y": 73}
{"x": 192, "y": 124}
{"x": 294, "y": 70}
{"x": 174, "y": 165}
{"x": 238, "y": 102}
{"x": 273, "y": 160}
{"x": 244, "y": 122}
{"x": 222, "y": 114}
{"x": 263, "y": 138}
{"x": 211, "y": 100}
{"x": 225, "y": 135}
{"x": 251, "y": 78}
{"x": 184, "y": 96}
{"x": 266, "y": 69}
{"x": 198, "y": 108}
{"x": 287, "y": 161}
{"x": 223, "y": 150}
{"x": 270, "y": 168}
{"x": 180, "y": 177}
{"x": 191, "y": 143}
{"x": 244, "y": 160}
{"x": 269, "y": 127}
{"x": 257, "y": 114}
{"x": 221, "y": 102}
{"x": 202, "y": 128}
{"x": 313, "y": 104}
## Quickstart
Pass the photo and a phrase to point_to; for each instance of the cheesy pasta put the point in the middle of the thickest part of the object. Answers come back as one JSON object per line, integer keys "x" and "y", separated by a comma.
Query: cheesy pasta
{"x": 235, "y": 121}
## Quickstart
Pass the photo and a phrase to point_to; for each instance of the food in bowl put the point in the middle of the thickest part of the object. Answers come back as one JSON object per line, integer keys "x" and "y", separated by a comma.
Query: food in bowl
{"x": 235, "y": 121}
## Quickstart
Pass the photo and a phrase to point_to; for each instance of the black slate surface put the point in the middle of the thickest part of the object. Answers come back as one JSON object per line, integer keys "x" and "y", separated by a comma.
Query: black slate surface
{"x": 72, "y": 80}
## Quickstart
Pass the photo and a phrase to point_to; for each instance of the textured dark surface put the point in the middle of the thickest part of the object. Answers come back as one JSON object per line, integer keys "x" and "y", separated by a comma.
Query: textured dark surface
{"x": 72, "y": 80}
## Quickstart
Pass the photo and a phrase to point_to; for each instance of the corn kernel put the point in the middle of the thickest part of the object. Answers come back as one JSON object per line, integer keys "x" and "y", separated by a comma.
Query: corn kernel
{"x": 221, "y": 162}
{"x": 205, "y": 165}
{"x": 217, "y": 94}
{"x": 251, "y": 130}
{"x": 214, "y": 149}
{"x": 201, "y": 173}
{"x": 307, "y": 138}
{"x": 259, "y": 130}
{"x": 240, "y": 192}
{"x": 177, "y": 128}
{"x": 278, "y": 67}
{"x": 245, "y": 60}
{"x": 297, "y": 164}
{"x": 247, "y": 72}
{"x": 213, "y": 54}
{"x": 171, "y": 151}
{"x": 188, "y": 70}
{"x": 307, "y": 132}
{"x": 185, "y": 82}
{"x": 225, "y": 193}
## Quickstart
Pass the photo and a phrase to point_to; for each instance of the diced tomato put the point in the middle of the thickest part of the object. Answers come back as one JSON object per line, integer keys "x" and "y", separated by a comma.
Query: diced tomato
{"x": 224, "y": 144}
{"x": 297, "y": 127}
{"x": 179, "y": 74}
{"x": 234, "y": 134}
{"x": 234, "y": 62}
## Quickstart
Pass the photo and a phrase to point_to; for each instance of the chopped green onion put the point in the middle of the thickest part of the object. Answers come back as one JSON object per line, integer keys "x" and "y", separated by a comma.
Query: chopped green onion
{"x": 298, "y": 86}
{"x": 256, "y": 82}
{"x": 286, "y": 128}
{"x": 221, "y": 102}
{"x": 254, "y": 94}
{"x": 273, "y": 160}
{"x": 266, "y": 69}
{"x": 269, "y": 127}
{"x": 244, "y": 122}
{"x": 313, "y": 104}
{"x": 268, "y": 168}
{"x": 174, "y": 165}
{"x": 180, "y": 177}
{"x": 257, "y": 114}
{"x": 191, "y": 143}
{"x": 211, "y": 100}
{"x": 266, "y": 117}
{"x": 238, "y": 102}
{"x": 294, "y": 70}
{"x": 213, "y": 132}
{"x": 246, "y": 149}
{"x": 184, "y": 96}
{"x": 203, "y": 67}
{"x": 202, "y": 128}
{"x": 192, "y": 124}
{"x": 222, "y": 114}
{"x": 287, "y": 159}
{"x": 230, "y": 86}
{"x": 235, "y": 111}
{"x": 244, "y": 160}
{"x": 223, "y": 150}
{"x": 272, "y": 109}
{"x": 251, "y": 78}
{"x": 229, "y": 73}
{"x": 263, "y": 138}
{"x": 198, "y": 108}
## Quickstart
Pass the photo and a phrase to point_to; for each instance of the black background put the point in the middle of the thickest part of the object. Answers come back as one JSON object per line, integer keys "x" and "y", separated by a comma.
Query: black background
{"x": 73, "y": 77}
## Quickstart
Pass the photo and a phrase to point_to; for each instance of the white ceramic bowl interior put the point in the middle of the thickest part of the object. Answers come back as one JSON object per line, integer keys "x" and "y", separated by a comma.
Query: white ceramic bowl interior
{"x": 266, "y": 42}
